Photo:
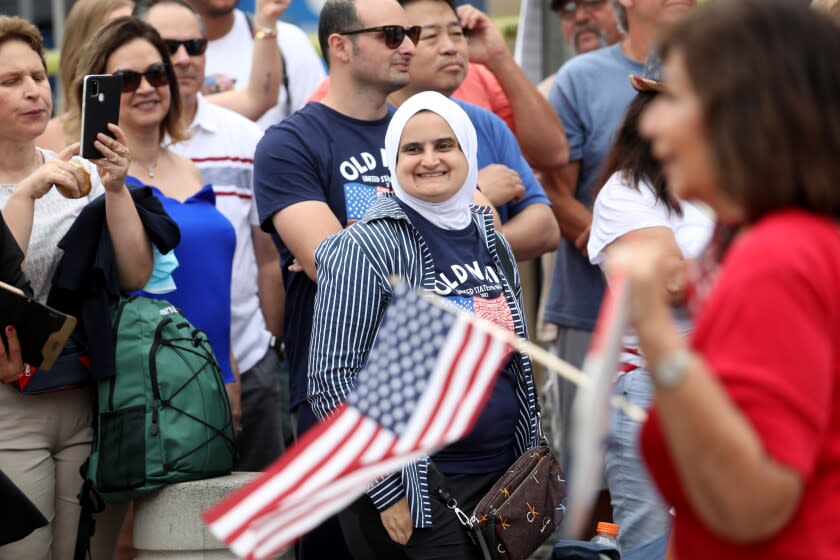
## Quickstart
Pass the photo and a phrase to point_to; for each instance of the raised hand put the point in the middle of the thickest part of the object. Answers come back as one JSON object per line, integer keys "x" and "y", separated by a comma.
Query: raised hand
{"x": 485, "y": 40}
{"x": 113, "y": 165}
{"x": 267, "y": 12}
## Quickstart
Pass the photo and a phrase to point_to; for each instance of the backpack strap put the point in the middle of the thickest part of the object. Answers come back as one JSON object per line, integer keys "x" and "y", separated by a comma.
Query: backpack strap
{"x": 91, "y": 503}
{"x": 249, "y": 19}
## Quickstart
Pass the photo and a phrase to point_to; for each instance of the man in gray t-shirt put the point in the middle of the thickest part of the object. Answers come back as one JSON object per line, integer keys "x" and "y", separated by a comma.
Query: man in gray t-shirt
{"x": 590, "y": 94}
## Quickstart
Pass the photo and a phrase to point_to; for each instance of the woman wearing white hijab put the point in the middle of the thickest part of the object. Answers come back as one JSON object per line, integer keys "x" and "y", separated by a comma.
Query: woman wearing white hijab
{"x": 431, "y": 235}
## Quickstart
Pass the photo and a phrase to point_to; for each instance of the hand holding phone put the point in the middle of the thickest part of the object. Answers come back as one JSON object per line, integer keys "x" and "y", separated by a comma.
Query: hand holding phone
{"x": 100, "y": 106}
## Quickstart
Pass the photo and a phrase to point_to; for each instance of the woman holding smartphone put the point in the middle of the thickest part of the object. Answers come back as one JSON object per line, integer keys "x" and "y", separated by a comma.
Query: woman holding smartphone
{"x": 45, "y": 438}
{"x": 150, "y": 108}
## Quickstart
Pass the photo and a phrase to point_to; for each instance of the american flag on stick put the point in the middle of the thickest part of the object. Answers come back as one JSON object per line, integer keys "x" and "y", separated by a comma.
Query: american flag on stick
{"x": 428, "y": 376}
{"x": 591, "y": 409}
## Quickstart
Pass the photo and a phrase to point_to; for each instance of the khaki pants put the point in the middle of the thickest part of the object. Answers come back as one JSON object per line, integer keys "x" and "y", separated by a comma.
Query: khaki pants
{"x": 44, "y": 439}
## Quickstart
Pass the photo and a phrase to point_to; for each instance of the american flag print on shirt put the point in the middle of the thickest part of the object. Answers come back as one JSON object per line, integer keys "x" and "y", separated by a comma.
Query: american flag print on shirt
{"x": 496, "y": 310}
{"x": 427, "y": 378}
{"x": 358, "y": 197}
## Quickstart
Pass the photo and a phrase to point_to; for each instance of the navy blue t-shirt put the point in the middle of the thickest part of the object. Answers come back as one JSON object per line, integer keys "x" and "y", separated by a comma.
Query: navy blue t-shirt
{"x": 316, "y": 154}
{"x": 466, "y": 276}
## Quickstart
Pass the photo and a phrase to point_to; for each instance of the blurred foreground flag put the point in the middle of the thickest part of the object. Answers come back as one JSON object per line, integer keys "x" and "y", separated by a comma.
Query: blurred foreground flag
{"x": 425, "y": 383}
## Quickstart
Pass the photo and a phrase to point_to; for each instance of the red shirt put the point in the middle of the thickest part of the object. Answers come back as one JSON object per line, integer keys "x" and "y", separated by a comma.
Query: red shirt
{"x": 770, "y": 330}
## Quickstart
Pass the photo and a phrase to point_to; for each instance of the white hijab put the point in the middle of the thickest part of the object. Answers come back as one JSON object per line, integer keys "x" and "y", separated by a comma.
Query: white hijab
{"x": 454, "y": 212}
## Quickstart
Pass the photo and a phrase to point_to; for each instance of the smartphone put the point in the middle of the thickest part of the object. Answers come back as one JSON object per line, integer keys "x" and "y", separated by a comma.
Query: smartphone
{"x": 100, "y": 106}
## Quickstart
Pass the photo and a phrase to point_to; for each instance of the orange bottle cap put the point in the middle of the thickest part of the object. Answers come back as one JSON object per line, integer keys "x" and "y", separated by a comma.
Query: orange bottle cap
{"x": 608, "y": 528}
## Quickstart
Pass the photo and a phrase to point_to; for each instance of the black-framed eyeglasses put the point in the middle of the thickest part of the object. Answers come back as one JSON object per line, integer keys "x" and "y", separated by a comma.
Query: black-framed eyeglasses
{"x": 568, "y": 8}
{"x": 156, "y": 75}
{"x": 393, "y": 35}
{"x": 194, "y": 47}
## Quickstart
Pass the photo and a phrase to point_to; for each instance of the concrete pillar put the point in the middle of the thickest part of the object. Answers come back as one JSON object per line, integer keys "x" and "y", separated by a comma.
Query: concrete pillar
{"x": 167, "y": 524}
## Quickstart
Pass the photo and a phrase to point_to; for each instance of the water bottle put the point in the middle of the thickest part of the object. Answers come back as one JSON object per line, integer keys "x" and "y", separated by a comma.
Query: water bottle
{"x": 607, "y": 535}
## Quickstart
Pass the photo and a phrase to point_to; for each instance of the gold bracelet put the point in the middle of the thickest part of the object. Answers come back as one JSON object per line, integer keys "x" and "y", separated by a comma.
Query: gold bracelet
{"x": 265, "y": 33}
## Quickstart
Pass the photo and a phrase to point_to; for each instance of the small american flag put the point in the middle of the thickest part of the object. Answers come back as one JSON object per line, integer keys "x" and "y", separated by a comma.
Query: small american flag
{"x": 427, "y": 378}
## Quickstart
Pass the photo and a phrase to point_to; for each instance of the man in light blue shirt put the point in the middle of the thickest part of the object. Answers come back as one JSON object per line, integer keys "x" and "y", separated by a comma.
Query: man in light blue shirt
{"x": 590, "y": 94}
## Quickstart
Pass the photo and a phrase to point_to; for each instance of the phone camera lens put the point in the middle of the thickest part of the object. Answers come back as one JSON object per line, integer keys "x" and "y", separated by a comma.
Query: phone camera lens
{"x": 94, "y": 88}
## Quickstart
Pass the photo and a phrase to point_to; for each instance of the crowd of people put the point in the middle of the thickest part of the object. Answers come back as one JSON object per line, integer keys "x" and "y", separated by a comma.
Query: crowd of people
{"x": 692, "y": 149}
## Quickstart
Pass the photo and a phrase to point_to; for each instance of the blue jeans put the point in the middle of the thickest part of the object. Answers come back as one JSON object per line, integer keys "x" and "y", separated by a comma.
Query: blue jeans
{"x": 637, "y": 507}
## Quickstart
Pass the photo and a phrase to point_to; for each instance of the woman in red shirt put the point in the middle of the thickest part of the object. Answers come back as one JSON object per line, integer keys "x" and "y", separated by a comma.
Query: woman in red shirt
{"x": 744, "y": 437}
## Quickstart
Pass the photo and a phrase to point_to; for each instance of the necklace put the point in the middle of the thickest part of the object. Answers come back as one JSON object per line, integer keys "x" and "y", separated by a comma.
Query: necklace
{"x": 150, "y": 168}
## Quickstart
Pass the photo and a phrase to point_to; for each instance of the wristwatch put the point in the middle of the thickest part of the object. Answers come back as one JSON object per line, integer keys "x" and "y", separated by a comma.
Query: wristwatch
{"x": 671, "y": 368}
{"x": 265, "y": 32}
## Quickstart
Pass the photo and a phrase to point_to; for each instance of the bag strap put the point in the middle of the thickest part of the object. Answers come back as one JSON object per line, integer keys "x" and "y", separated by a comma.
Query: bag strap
{"x": 507, "y": 270}
{"x": 507, "y": 265}
{"x": 473, "y": 528}
{"x": 91, "y": 503}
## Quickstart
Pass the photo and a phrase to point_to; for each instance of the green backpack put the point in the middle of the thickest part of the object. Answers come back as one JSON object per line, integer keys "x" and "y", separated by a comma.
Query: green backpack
{"x": 165, "y": 416}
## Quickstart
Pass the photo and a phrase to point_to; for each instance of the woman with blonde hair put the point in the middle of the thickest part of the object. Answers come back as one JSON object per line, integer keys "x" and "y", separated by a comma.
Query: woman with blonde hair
{"x": 45, "y": 438}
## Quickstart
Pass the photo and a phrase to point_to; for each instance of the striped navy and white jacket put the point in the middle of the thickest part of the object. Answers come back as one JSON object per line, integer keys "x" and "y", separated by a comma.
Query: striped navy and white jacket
{"x": 354, "y": 267}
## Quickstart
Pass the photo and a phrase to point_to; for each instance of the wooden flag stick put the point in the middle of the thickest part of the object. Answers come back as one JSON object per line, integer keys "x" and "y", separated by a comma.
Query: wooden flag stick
{"x": 550, "y": 361}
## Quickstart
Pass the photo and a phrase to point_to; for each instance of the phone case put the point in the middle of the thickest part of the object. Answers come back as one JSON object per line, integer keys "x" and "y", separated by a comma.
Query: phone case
{"x": 100, "y": 106}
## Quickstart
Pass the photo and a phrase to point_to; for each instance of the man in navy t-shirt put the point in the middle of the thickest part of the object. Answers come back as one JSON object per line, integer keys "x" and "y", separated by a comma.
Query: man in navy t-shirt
{"x": 319, "y": 170}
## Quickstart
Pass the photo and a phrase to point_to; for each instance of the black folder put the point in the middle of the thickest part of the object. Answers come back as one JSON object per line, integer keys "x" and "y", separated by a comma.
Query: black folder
{"x": 41, "y": 330}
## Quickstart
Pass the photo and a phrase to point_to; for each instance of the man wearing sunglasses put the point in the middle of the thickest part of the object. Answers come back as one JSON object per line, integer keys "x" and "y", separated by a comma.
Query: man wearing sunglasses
{"x": 222, "y": 145}
{"x": 321, "y": 168}
{"x": 440, "y": 64}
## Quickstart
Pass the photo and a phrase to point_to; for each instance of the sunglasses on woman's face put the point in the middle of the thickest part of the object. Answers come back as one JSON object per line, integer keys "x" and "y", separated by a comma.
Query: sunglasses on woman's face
{"x": 393, "y": 35}
{"x": 155, "y": 74}
{"x": 194, "y": 47}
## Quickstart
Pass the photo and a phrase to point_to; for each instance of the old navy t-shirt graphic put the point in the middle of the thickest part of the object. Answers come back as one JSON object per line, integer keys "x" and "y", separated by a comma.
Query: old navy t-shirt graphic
{"x": 466, "y": 277}
{"x": 363, "y": 183}
{"x": 464, "y": 270}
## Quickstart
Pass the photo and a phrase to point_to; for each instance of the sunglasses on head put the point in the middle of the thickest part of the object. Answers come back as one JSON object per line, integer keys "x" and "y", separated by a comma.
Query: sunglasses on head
{"x": 393, "y": 35}
{"x": 194, "y": 47}
{"x": 155, "y": 74}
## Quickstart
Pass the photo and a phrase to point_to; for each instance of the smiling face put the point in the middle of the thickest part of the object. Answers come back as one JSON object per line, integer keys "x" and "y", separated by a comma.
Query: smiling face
{"x": 25, "y": 96}
{"x": 177, "y": 22}
{"x": 440, "y": 59}
{"x": 430, "y": 163}
{"x": 148, "y": 105}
